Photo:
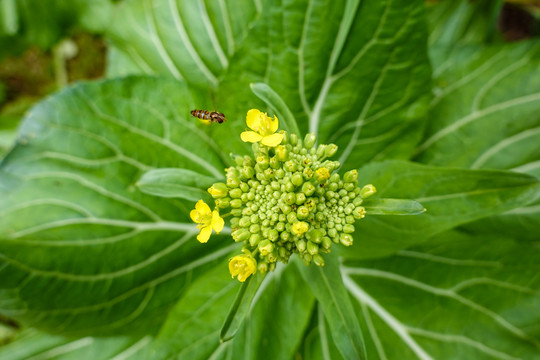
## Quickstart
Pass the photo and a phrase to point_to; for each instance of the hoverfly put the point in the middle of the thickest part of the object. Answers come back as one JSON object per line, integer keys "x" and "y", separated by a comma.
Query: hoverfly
{"x": 209, "y": 116}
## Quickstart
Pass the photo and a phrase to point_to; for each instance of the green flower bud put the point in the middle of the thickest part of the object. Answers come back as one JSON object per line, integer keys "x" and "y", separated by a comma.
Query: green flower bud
{"x": 349, "y": 219}
{"x": 254, "y": 219}
{"x": 273, "y": 235}
{"x": 293, "y": 139}
{"x": 312, "y": 248}
{"x": 218, "y": 190}
{"x": 300, "y": 198}
{"x": 262, "y": 267}
{"x": 308, "y": 173}
{"x": 233, "y": 183}
{"x": 289, "y": 198}
{"x": 326, "y": 243}
{"x": 309, "y": 140}
{"x": 280, "y": 226}
{"x": 245, "y": 222}
{"x": 279, "y": 173}
{"x": 241, "y": 235}
{"x": 339, "y": 227}
{"x": 235, "y": 193}
{"x": 350, "y": 176}
{"x": 236, "y": 204}
{"x": 274, "y": 163}
{"x": 254, "y": 228}
{"x": 346, "y": 239}
{"x": 302, "y": 212}
{"x": 266, "y": 247}
{"x": 348, "y": 228}
{"x": 348, "y": 208}
{"x": 236, "y": 212}
{"x": 290, "y": 166}
{"x": 359, "y": 212}
{"x": 291, "y": 218}
{"x": 285, "y": 209}
{"x": 357, "y": 201}
{"x": 289, "y": 187}
{"x": 330, "y": 150}
{"x": 281, "y": 153}
{"x": 308, "y": 189}
{"x": 223, "y": 203}
{"x": 285, "y": 236}
{"x": 254, "y": 240}
{"x": 321, "y": 151}
{"x": 248, "y": 172}
{"x": 318, "y": 260}
{"x": 234, "y": 222}
{"x": 262, "y": 162}
{"x": 301, "y": 245}
{"x": 349, "y": 186}
{"x": 283, "y": 254}
{"x": 269, "y": 173}
{"x": 239, "y": 160}
{"x": 297, "y": 179}
{"x": 367, "y": 191}
{"x": 332, "y": 233}
{"x": 315, "y": 236}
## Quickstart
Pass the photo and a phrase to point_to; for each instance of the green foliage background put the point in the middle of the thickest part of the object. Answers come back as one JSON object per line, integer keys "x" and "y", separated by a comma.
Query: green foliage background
{"x": 427, "y": 104}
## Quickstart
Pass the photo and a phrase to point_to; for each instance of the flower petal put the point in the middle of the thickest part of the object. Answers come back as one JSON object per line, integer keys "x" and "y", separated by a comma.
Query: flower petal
{"x": 202, "y": 208}
{"x": 250, "y": 136}
{"x": 253, "y": 119}
{"x": 272, "y": 140}
{"x": 217, "y": 222}
{"x": 195, "y": 216}
{"x": 204, "y": 235}
{"x": 274, "y": 124}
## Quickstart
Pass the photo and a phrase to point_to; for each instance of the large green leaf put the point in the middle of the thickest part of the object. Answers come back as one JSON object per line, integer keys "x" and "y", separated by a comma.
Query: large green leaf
{"x": 355, "y": 72}
{"x": 311, "y": 55}
{"x": 328, "y": 288}
{"x": 82, "y": 250}
{"x": 454, "y": 22}
{"x": 451, "y": 197}
{"x": 32, "y": 344}
{"x": 273, "y": 329}
{"x": 454, "y": 297}
{"x": 487, "y": 104}
{"x": 191, "y": 40}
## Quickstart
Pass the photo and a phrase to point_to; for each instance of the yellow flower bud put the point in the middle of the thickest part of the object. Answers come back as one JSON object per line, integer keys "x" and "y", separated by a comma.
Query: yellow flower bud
{"x": 243, "y": 266}
{"x": 300, "y": 228}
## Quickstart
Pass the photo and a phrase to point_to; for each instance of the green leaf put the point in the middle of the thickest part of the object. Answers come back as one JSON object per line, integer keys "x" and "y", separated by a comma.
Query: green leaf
{"x": 480, "y": 89}
{"x": 456, "y": 296}
{"x": 241, "y": 307}
{"x": 81, "y": 250}
{"x": 393, "y": 207}
{"x": 191, "y": 40}
{"x": 462, "y": 22}
{"x": 33, "y": 344}
{"x": 192, "y": 328}
{"x": 326, "y": 284}
{"x": 372, "y": 51}
{"x": 277, "y": 319}
{"x": 179, "y": 183}
{"x": 451, "y": 197}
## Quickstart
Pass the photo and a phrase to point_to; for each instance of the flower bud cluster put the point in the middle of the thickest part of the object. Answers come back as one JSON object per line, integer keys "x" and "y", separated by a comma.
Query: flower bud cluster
{"x": 289, "y": 199}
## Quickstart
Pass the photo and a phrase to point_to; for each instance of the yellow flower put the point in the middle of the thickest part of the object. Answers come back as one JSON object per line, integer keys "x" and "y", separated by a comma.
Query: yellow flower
{"x": 207, "y": 220}
{"x": 322, "y": 174}
{"x": 263, "y": 127}
{"x": 243, "y": 266}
